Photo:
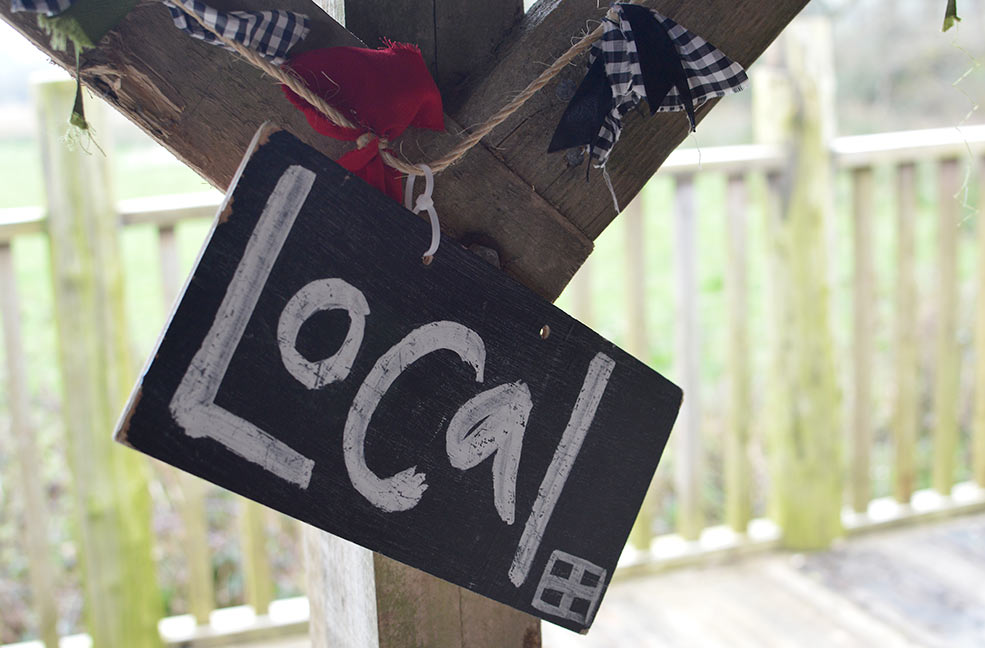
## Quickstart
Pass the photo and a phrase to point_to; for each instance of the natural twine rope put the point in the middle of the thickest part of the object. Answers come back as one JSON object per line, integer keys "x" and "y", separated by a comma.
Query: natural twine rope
{"x": 459, "y": 150}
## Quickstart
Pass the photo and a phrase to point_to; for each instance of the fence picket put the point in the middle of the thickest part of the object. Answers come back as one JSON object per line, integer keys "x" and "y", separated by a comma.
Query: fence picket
{"x": 28, "y": 459}
{"x": 946, "y": 377}
{"x": 686, "y": 435}
{"x": 862, "y": 244}
{"x": 256, "y": 567}
{"x": 635, "y": 241}
{"x": 978, "y": 431}
{"x": 906, "y": 412}
{"x": 738, "y": 496}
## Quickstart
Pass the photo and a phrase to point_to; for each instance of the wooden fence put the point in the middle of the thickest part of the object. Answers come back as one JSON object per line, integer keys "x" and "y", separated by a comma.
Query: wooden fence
{"x": 861, "y": 160}
{"x": 924, "y": 388}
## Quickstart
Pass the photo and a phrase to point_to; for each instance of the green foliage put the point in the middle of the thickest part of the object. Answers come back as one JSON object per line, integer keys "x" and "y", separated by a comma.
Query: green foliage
{"x": 951, "y": 14}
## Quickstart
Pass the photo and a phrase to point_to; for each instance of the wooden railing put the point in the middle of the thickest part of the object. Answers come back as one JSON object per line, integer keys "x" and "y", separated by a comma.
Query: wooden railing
{"x": 734, "y": 528}
{"x": 263, "y": 616}
{"x": 754, "y": 182}
{"x": 958, "y": 160}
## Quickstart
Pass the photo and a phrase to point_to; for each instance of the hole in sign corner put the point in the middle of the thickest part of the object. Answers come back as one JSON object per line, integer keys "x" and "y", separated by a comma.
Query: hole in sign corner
{"x": 545, "y": 332}
{"x": 427, "y": 259}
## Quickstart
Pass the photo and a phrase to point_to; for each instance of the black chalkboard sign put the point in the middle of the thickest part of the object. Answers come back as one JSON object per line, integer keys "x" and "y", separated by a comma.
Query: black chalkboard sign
{"x": 316, "y": 365}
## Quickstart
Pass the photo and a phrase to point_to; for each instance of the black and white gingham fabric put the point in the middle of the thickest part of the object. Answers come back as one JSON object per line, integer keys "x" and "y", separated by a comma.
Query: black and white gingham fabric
{"x": 270, "y": 33}
{"x": 46, "y": 7}
{"x": 710, "y": 74}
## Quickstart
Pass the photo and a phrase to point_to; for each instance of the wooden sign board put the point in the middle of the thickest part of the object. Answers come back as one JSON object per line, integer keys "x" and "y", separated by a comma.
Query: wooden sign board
{"x": 315, "y": 365}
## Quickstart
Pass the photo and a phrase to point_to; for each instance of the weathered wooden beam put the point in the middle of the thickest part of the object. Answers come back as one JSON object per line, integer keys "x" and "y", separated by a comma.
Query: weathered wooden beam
{"x": 860, "y": 446}
{"x": 740, "y": 28}
{"x": 204, "y": 105}
{"x": 455, "y": 36}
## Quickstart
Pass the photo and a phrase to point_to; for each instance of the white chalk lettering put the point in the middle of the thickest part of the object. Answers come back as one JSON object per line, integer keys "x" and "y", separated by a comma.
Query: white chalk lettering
{"x": 596, "y": 379}
{"x": 324, "y": 294}
{"x": 193, "y": 404}
{"x": 403, "y": 490}
{"x": 492, "y": 423}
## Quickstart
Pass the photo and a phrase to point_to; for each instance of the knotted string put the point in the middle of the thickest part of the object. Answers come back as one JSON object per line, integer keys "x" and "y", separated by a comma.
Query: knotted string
{"x": 459, "y": 150}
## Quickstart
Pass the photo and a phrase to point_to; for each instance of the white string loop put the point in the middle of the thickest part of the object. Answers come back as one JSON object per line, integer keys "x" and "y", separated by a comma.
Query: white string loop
{"x": 424, "y": 202}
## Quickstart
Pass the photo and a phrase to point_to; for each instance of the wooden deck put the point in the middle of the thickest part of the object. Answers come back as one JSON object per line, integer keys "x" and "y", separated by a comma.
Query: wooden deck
{"x": 919, "y": 586}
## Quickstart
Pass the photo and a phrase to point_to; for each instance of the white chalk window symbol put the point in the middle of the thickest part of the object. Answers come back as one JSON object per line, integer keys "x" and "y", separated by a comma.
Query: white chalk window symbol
{"x": 570, "y": 588}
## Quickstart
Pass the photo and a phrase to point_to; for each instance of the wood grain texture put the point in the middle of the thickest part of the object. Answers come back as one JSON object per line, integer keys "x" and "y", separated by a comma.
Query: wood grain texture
{"x": 35, "y": 539}
{"x": 904, "y": 588}
{"x": 455, "y": 36}
{"x": 860, "y": 481}
{"x": 740, "y": 28}
{"x": 457, "y": 529}
{"x": 792, "y": 108}
{"x": 204, "y": 105}
{"x": 978, "y": 425}
{"x": 947, "y": 362}
{"x": 341, "y": 589}
{"x": 739, "y": 422}
{"x": 906, "y": 409}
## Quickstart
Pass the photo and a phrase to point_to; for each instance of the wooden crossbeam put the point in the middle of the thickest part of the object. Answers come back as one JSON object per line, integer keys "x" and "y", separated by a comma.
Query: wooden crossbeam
{"x": 740, "y": 28}
{"x": 204, "y": 105}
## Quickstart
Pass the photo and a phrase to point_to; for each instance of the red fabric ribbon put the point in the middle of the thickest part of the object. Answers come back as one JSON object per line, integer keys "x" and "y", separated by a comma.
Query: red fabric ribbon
{"x": 383, "y": 91}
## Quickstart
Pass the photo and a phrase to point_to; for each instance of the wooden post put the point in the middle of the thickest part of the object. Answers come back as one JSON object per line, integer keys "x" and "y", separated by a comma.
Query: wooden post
{"x": 411, "y": 608}
{"x": 123, "y": 603}
{"x": 794, "y": 108}
{"x": 906, "y": 412}
{"x": 738, "y": 495}
{"x": 341, "y": 591}
{"x": 200, "y": 585}
{"x": 581, "y": 289}
{"x": 687, "y": 431}
{"x": 256, "y": 566}
{"x": 946, "y": 378}
{"x": 28, "y": 460}
{"x": 862, "y": 244}
{"x": 978, "y": 432}
{"x": 456, "y": 37}
{"x": 637, "y": 343}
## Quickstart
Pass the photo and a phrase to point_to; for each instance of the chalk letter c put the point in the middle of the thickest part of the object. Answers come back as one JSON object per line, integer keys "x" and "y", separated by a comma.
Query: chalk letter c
{"x": 402, "y": 491}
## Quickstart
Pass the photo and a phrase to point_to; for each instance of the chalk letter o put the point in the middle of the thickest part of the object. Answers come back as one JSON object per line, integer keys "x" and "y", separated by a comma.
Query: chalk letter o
{"x": 324, "y": 294}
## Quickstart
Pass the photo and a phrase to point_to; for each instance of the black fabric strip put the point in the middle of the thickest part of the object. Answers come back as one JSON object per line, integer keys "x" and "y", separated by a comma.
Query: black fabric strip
{"x": 660, "y": 62}
{"x": 586, "y": 112}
